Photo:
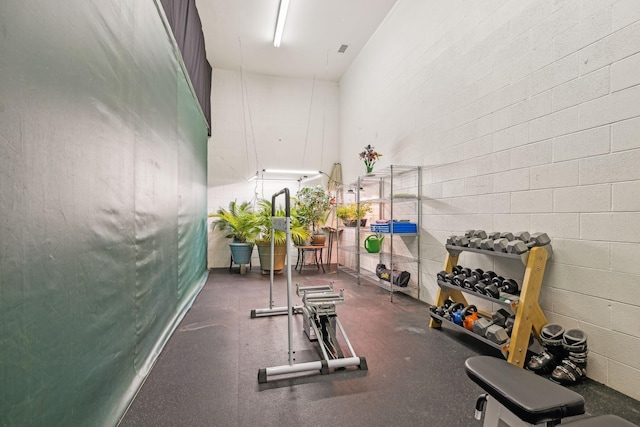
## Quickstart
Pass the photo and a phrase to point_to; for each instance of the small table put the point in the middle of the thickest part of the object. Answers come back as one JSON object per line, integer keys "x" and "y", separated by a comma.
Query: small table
{"x": 310, "y": 248}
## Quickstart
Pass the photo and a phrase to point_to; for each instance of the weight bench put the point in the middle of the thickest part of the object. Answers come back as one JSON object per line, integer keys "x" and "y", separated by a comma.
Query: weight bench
{"x": 516, "y": 397}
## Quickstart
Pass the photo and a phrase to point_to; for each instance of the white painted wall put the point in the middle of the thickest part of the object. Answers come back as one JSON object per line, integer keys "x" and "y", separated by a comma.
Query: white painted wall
{"x": 525, "y": 116}
{"x": 266, "y": 122}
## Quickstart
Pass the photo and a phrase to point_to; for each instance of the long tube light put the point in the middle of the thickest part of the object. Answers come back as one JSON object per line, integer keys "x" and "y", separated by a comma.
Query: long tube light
{"x": 276, "y": 180}
{"x": 310, "y": 178}
{"x": 282, "y": 17}
{"x": 291, "y": 171}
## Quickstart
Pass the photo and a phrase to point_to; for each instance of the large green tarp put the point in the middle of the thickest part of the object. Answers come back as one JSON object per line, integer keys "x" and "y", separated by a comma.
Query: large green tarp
{"x": 102, "y": 206}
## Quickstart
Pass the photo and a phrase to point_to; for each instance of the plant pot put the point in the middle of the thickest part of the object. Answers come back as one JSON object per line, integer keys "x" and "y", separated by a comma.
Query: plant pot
{"x": 264, "y": 253}
{"x": 354, "y": 222}
{"x": 241, "y": 252}
{"x": 318, "y": 239}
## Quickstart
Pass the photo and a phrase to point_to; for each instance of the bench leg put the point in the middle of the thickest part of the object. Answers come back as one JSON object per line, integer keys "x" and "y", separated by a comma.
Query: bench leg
{"x": 496, "y": 415}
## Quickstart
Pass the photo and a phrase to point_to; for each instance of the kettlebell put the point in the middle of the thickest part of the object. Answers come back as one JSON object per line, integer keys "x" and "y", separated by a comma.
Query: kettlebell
{"x": 469, "y": 316}
{"x": 373, "y": 243}
{"x": 455, "y": 312}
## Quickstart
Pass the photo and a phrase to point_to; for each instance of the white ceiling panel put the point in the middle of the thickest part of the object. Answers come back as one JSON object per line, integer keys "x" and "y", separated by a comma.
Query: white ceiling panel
{"x": 239, "y": 35}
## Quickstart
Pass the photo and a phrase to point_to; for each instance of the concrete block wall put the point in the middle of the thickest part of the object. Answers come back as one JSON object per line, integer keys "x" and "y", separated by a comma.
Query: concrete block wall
{"x": 525, "y": 116}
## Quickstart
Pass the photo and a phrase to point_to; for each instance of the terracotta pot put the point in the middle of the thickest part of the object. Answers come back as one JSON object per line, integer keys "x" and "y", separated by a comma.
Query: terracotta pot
{"x": 318, "y": 239}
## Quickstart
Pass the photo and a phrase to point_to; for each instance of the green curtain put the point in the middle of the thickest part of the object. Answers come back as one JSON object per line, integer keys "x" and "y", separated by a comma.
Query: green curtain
{"x": 102, "y": 206}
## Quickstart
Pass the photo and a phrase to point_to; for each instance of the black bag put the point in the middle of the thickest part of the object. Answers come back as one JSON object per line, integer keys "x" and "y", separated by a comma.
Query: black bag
{"x": 400, "y": 278}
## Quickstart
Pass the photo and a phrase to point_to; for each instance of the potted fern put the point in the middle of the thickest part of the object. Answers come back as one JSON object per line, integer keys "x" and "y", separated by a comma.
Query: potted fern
{"x": 238, "y": 223}
{"x": 350, "y": 214}
{"x": 264, "y": 223}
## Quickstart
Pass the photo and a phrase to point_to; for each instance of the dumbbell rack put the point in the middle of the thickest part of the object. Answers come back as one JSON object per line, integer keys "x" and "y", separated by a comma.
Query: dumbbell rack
{"x": 529, "y": 318}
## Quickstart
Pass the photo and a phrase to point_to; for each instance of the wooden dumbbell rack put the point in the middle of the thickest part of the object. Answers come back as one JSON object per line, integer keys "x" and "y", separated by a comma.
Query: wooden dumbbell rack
{"x": 529, "y": 318}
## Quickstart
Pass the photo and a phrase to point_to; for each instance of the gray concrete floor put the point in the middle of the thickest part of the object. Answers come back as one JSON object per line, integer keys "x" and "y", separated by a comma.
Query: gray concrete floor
{"x": 207, "y": 373}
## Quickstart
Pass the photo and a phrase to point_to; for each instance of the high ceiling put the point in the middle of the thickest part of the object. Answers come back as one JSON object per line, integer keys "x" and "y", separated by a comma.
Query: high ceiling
{"x": 239, "y": 35}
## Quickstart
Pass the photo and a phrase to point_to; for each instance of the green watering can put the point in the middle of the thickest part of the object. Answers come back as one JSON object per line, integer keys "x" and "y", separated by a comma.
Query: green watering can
{"x": 373, "y": 243}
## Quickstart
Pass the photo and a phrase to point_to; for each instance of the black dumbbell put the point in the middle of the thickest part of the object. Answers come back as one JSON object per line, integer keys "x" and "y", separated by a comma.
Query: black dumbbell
{"x": 440, "y": 311}
{"x": 509, "y": 286}
{"x": 486, "y": 279}
{"x": 470, "y": 282}
{"x": 443, "y": 276}
{"x": 477, "y": 273}
{"x": 519, "y": 247}
{"x": 489, "y": 275}
{"x": 457, "y": 269}
{"x": 480, "y": 285}
{"x": 458, "y": 280}
{"x": 469, "y": 233}
{"x": 489, "y": 280}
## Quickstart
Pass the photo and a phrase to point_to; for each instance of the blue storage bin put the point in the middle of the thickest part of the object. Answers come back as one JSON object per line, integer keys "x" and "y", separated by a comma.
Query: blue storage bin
{"x": 398, "y": 227}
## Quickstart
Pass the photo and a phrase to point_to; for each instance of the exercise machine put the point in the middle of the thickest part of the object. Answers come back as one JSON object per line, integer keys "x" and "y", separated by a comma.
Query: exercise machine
{"x": 321, "y": 324}
{"x": 519, "y": 398}
{"x": 281, "y": 224}
{"x": 320, "y": 321}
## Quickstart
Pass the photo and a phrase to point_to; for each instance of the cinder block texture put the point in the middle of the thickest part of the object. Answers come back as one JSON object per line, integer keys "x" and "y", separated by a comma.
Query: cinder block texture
{"x": 564, "y": 174}
{"x": 582, "y": 144}
{"x": 624, "y": 378}
{"x": 530, "y": 119}
{"x": 625, "y": 73}
{"x": 590, "y": 198}
{"x": 625, "y": 135}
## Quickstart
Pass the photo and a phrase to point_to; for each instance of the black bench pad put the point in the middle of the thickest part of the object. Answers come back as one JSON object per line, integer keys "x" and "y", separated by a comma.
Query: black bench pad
{"x": 530, "y": 397}
{"x": 603, "y": 420}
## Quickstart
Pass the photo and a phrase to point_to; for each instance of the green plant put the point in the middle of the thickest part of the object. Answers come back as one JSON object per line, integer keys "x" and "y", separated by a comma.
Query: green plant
{"x": 312, "y": 205}
{"x": 237, "y": 223}
{"x": 351, "y": 212}
{"x": 264, "y": 223}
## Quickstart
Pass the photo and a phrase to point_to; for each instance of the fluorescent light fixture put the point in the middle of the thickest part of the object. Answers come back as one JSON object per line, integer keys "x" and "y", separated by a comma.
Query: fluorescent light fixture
{"x": 290, "y": 171}
{"x": 282, "y": 17}
{"x": 310, "y": 178}
{"x": 276, "y": 180}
